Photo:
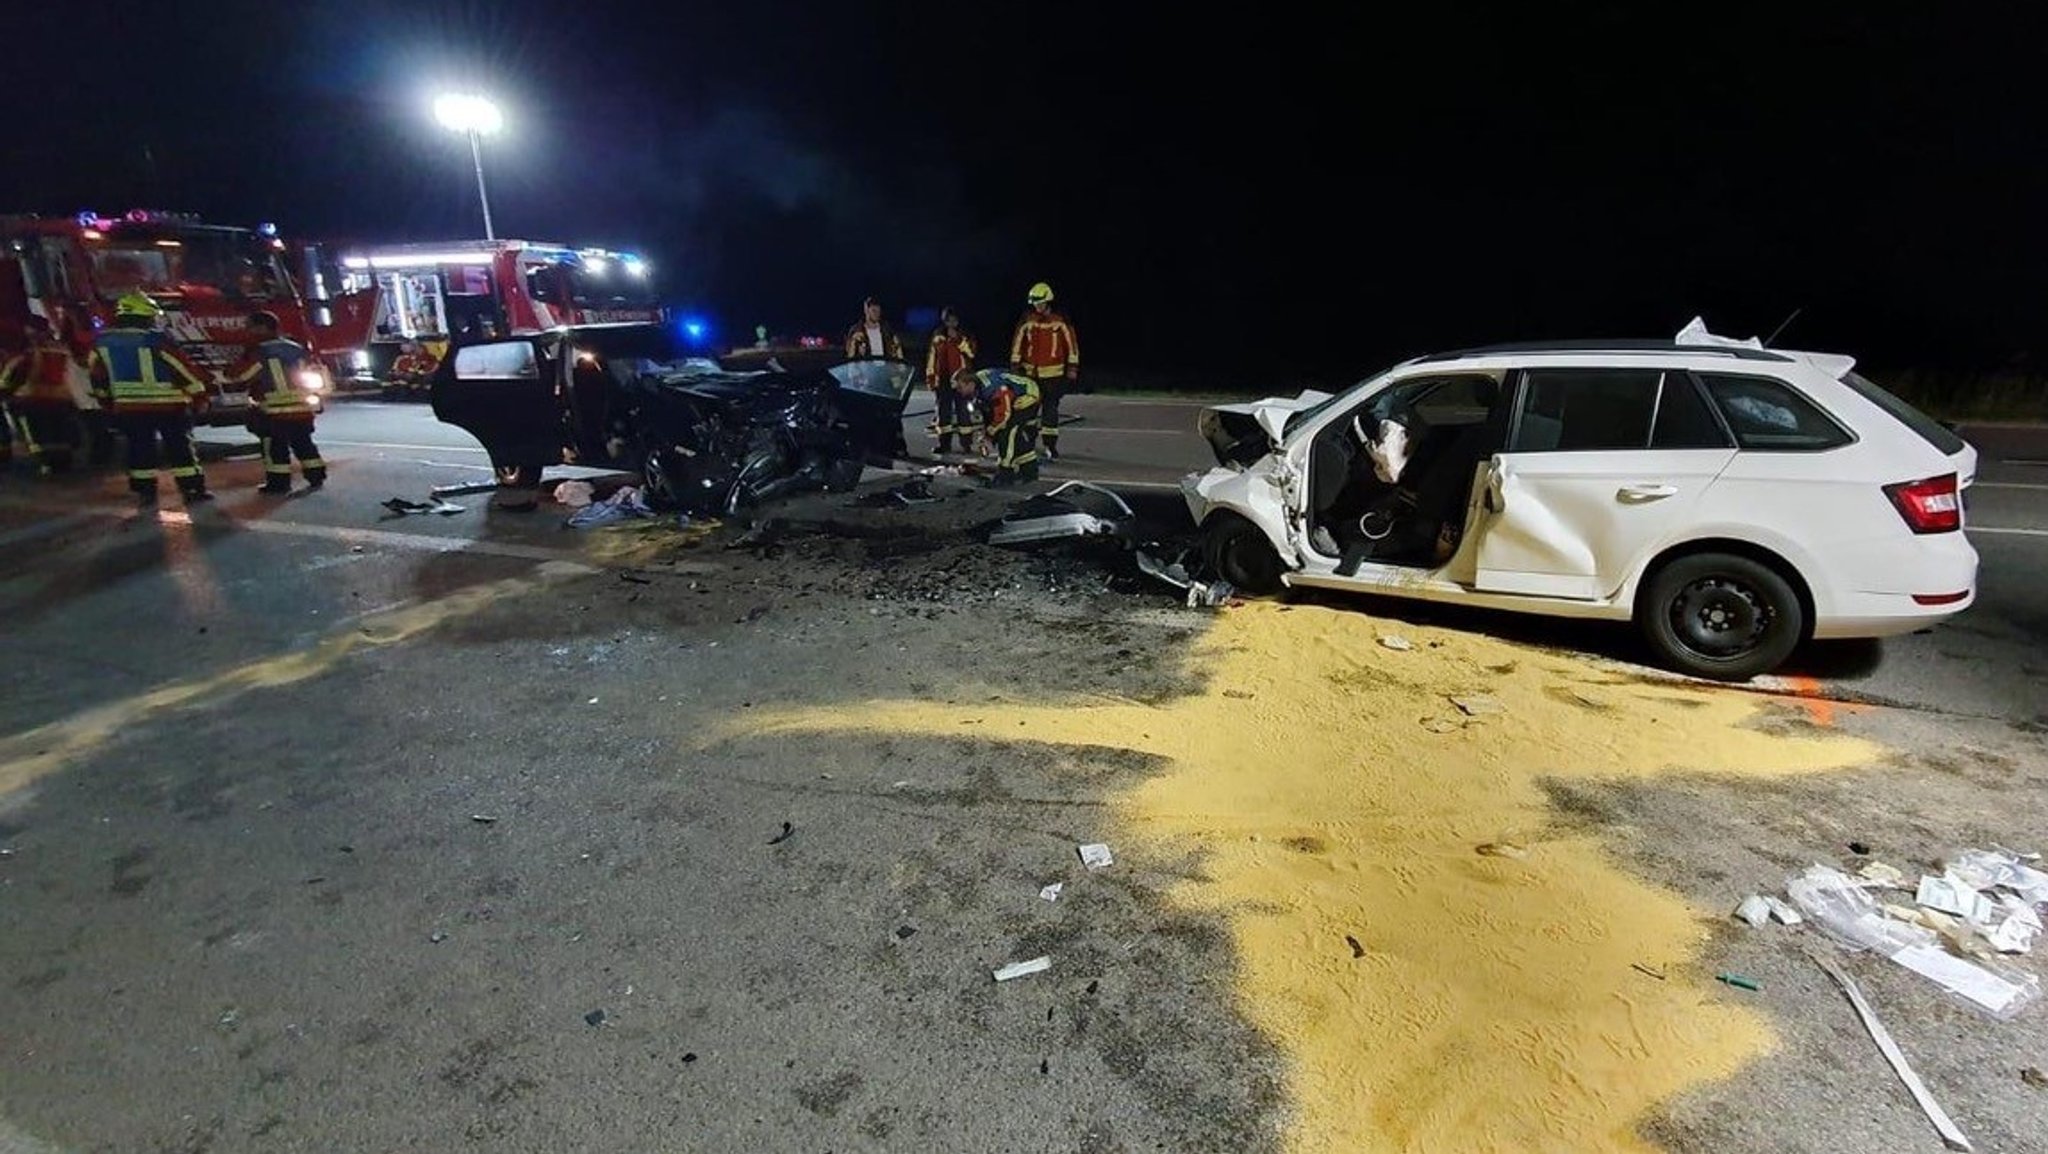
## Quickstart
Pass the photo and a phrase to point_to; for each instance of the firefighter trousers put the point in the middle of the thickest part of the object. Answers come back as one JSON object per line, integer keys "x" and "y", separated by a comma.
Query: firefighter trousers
{"x": 1050, "y": 391}
{"x": 283, "y": 440}
{"x": 1017, "y": 447}
{"x": 953, "y": 418}
{"x": 49, "y": 433}
{"x": 161, "y": 441}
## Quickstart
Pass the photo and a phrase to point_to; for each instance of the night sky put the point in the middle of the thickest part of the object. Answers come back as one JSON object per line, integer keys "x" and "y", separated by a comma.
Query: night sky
{"x": 1256, "y": 195}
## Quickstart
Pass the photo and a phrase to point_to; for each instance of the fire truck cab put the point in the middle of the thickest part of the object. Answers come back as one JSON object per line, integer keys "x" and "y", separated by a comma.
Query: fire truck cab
{"x": 207, "y": 279}
{"x": 459, "y": 292}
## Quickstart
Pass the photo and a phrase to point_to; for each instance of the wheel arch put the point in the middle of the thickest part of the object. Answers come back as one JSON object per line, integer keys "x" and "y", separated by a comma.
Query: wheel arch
{"x": 1761, "y": 554}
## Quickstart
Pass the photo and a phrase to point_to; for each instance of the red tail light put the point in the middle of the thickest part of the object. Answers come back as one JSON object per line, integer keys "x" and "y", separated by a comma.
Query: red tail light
{"x": 1934, "y": 505}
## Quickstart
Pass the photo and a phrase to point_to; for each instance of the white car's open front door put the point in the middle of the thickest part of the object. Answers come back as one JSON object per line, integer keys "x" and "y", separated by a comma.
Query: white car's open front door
{"x": 1569, "y": 524}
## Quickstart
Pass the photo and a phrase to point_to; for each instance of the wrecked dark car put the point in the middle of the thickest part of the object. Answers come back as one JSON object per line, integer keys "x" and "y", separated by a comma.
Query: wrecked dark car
{"x": 704, "y": 439}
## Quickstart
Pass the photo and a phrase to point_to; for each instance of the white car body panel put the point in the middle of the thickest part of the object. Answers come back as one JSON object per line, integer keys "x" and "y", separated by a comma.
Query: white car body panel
{"x": 1574, "y": 533}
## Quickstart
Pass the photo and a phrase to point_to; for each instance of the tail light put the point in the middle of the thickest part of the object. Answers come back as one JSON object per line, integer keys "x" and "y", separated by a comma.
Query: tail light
{"x": 1933, "y": 505}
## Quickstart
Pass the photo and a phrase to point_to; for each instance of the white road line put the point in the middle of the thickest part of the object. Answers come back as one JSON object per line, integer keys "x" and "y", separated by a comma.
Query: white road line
{"x": 2010, "y": 532}
{"x": 2010, "y": 485}
{"x": 406, "y": 447}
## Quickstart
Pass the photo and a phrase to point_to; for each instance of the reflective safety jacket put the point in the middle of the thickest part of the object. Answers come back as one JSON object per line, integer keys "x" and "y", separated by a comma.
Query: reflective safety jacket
{"x": 37, "y": 377}
{"x": 1044, "y": 347}
{"x": 948, "y": 354}
{"x": 143, "y": 371}
{"x": 273, "y": 371}
{"x": 1007, "y": 397}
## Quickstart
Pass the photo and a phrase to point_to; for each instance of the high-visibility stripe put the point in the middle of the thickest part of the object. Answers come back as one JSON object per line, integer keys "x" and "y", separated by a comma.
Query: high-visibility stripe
{"x": 184, "y": 470}
{"x": 142, "y": 474}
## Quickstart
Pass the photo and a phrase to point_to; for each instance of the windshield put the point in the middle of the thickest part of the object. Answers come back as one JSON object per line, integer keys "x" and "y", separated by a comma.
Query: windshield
{"x": 1300, "y": 417}
{"x": 223, "y": 262}
{"x": 610, "y": 285}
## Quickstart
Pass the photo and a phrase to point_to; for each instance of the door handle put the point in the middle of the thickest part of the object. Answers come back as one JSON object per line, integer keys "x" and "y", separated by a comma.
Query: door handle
{"x": 1640, "y": 493}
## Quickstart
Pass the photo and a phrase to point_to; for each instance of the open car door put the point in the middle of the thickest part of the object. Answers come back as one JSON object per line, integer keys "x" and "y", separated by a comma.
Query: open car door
{"x": 871, "y": 395}
{"x": 504, "y": 394}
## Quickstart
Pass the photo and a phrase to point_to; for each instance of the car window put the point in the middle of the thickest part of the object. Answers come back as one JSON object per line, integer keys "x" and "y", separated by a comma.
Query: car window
{"x": 1768, "y": 414}
{"x": 499, "y": 360}
{"x": 1441, "y": 401}
{"x": 1930, "y": 430}
{"x": 1684, "y": 419}
{"x": 1574, "y": 410}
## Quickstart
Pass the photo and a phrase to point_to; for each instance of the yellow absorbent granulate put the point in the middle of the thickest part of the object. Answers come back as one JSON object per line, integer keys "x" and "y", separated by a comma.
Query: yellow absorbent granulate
{"x": 1490, "y": 1002}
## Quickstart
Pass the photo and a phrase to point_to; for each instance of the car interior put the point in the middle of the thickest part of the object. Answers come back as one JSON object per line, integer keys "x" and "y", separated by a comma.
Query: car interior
{"x": 1452, "y": 423}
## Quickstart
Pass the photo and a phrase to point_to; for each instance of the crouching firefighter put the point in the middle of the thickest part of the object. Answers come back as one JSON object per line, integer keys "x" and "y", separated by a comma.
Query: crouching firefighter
{"x": 1010, "y": 405}
{"x": 150, "y": 391}
{"x": 37, "y": 389}
{"x": 284, "y": 383}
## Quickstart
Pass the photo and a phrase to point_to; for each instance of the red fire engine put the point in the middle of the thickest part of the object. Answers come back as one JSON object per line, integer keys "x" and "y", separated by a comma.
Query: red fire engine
{"x": 207, "y": 278}
{"x": 461, "y": 291}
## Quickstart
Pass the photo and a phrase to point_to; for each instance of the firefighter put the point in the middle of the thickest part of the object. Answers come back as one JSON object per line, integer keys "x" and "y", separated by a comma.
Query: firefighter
{"x": 36, "y": 386}
{"x": 1044, "y": 349}
{"x": 150, "y": 391}
{"x": 1011, "y": 404}
{"x": 951, "y": 350}
{"x": 283, "y": 381}
{"x": 872, "y": 336}
{"x": 414, "y": 366}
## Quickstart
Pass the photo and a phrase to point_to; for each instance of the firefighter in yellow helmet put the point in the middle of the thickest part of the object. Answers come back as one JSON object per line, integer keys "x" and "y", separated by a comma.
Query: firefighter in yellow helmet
{"x": 150, "y": 391}
{"x": 1044, "y": 349}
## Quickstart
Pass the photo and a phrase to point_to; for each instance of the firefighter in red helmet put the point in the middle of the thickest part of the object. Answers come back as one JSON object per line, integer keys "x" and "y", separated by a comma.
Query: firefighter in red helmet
{"x": 1045, "y": 350}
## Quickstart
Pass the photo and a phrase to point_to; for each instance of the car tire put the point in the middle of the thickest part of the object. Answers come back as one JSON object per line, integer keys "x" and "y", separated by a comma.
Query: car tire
{"x": 658, "y": 479}
{"x": 518, "y": 487}
{"x": 1239, "y": 553}
{"x": 1721, "y": 616}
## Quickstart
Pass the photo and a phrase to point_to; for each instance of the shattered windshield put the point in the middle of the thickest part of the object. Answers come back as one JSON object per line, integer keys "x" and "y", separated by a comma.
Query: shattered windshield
{"x": 877, "y": 378}
{"x": 225, "y": 262}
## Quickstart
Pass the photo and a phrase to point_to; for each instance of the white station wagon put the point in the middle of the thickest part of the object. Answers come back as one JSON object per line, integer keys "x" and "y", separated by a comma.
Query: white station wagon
{"x": 1732, "y": 500}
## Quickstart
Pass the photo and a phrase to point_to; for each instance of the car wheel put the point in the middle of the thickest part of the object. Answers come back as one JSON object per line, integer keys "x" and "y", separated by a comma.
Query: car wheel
{"x": 1240, "y": 554}
{"x": 519, "y": 476}
{"x": 1720, "y": 616}
{"x": 659, "y": 480}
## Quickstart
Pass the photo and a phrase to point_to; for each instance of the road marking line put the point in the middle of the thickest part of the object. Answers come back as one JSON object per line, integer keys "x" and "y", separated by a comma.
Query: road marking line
{"x": 406, "y": 447}
{"x": 2010, "y": 485}
{"x": 353, "y": 536}
{"x": 2010, "y": 532}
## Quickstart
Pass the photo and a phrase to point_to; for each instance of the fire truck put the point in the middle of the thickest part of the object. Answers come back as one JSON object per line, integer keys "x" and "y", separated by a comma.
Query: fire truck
{"x": 206, "y": 277}
{"x": 457, "y": 292}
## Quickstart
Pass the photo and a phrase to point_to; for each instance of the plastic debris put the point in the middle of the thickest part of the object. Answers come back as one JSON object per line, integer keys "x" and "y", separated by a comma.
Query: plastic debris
{"x": 2000, "y": 869}
{"x": 1878, "y": 873}
{"x": 626, "y": 504}
{"x": 1396, "y": 643}
{"x": 1754, "y": 909}
{"x": 1096, "y": 856}
{"x": 1845, "y": 912}
{"x": 1640, "y": 968}
{"x": 787, "y": 830}
{"x": 1739, "y": 981}
{"x": 484, "y": 818}
{"x": 438, "y": 936}
{"x": 2000, "y": 994}
{"x": 405, "y": 508}
{"x": 1037, "y": 965}
{"x": 464, "y": 489}
{"x": 2013, "y": 927}
{"x": 575, "y": 494}
{"x": 1782, "y": 911}
{"x": 2035, "y": 1078}
{"x": 1952, "y": 895}
{"x": 903, "y": 933}
{"x": 1951, "y": 1135}
{"x": 594, "y": 1018}
{"x": 1478, "y": 705}
{"x": 1440, "y": 725}
{"x": 1051, "y": 893}
{"x": 1357, "y": 949}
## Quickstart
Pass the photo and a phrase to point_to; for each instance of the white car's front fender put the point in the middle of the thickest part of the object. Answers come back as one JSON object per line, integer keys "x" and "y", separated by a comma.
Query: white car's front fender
{"x": 1257, "y": 494}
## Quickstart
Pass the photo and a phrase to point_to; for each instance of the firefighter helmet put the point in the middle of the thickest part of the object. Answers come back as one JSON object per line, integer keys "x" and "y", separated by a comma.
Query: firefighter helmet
{"x": 1041, "y": 293}
{"x": 137, "y": 305}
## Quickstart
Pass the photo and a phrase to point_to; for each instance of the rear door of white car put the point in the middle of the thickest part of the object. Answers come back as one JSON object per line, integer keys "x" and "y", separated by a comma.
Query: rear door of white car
{"x": 1601, "y": 465}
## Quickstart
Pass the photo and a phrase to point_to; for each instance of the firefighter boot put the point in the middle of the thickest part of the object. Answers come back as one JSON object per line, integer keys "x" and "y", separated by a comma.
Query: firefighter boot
{"x": 193, "y": 489}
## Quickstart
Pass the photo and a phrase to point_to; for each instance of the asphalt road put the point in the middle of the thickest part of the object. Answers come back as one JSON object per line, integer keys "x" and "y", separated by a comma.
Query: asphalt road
{"x": 1986, "y": 663}
{"x": 324, "y": 828}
